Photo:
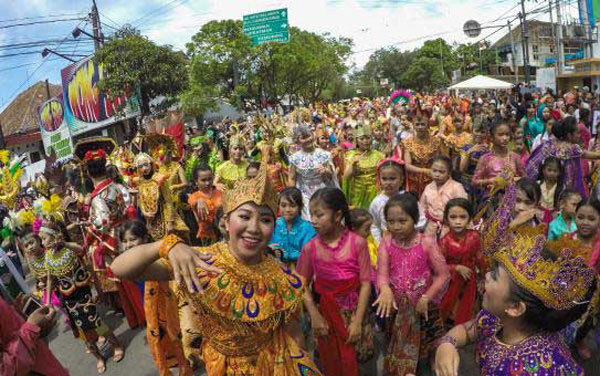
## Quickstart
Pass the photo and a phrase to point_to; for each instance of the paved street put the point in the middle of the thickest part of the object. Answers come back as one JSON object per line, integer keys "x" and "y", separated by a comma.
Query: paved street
{"x": 138, "y": 361}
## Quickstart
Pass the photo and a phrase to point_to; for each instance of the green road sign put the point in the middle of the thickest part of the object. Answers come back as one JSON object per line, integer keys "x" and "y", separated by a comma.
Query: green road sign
{"x": 271, "y": 26}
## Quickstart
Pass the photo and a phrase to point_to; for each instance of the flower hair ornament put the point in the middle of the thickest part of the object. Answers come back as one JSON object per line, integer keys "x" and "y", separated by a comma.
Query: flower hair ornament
{"x": 94, "y": 154}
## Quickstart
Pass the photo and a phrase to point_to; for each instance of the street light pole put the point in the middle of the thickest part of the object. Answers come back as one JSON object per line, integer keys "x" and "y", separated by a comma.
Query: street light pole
{"x": 524, "y": 39}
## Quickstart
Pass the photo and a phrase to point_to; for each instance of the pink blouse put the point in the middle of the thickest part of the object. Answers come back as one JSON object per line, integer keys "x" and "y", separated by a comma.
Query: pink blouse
{"x": 413, "y": 271}
{"x": 490, "y": 166}
{"x": 350, "y": 259}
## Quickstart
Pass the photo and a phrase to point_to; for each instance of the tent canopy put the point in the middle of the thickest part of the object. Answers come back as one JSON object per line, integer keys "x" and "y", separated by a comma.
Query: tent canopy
{"x": 480, "y": 82}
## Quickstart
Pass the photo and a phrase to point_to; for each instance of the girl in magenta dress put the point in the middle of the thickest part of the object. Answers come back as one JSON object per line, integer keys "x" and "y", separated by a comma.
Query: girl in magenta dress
{"x": 337, "y": 261}
{"x": 500, "y": 162}
{"x": 462, "y": 249}
{"x": 412, "y": 277}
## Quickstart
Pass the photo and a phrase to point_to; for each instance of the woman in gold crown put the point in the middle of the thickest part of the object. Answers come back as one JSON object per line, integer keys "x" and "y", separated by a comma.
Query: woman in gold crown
{"x": 233, "y": 169}
{"x": 244, "y": 304}
{"x": 359, "y": 177}
{"x": 530, "y": 296}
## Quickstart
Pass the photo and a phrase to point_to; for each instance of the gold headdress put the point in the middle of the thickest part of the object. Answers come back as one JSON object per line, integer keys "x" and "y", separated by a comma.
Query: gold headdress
{"x": 142, "y": 157}
{"x": 236, "y": 138}
{"x": 560, "y": 284}
{"x": 258, "y": 190}
{"x": 363, "y": 130}
{"x": 161, "y": 144}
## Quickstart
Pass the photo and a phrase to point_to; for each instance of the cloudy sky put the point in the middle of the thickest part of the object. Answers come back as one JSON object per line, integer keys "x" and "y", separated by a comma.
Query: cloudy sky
{"x": 370, "y": 23}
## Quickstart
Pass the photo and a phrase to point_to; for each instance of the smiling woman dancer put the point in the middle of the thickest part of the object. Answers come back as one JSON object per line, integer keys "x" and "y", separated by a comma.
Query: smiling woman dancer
{"x": 248, "y": 313}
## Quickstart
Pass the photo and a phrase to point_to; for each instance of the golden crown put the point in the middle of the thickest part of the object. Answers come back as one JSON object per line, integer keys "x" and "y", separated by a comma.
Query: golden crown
{"x": 363, "y": 130}
{"x": 257, "y": 190}
{"x": 560, "y": 283}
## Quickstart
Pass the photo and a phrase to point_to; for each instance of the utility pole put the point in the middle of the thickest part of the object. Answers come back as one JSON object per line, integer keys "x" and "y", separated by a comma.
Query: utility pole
{"x": 512, "y": 53}
{"x": 553, "y": 37}
{"x": 559, "y": 40}
{"x": 97, "y": 27}
{"x": 524, "y": 41}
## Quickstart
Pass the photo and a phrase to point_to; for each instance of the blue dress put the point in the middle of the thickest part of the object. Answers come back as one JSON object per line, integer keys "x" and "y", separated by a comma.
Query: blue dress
{"x": 292, "y": 242}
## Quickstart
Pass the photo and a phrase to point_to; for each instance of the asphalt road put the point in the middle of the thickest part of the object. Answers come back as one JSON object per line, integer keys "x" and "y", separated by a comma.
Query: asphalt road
{"x": 138, "y": 361}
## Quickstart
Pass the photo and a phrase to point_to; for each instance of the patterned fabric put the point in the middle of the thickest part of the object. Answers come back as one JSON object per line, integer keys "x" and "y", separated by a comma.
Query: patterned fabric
{"x": 228, "y": 173}
{"x": 491, "y": 166}
{"x": 360, "y": 189}
{"x": 241, "y": 315}
{"x": 294, "y": 240}
{"x": 414, "y": 269}
{"x": 459, "y": 301}
{"x": 434, "y": 199}
{"x": 163, "y": 329}
{"x": 421, "y": 154}
{"x": 543, "y": 354}
{"x": 411, "y": 338}
{"x": 213, "y": 201}
{"x": 308, "y": 180}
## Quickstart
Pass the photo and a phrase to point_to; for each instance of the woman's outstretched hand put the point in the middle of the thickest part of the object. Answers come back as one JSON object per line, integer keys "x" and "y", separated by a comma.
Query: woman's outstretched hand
{"x": 185, "y": 260}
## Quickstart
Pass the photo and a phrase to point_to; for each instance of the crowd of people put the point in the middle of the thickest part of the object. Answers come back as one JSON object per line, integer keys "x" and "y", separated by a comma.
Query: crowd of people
{"x": 283, "y": 244}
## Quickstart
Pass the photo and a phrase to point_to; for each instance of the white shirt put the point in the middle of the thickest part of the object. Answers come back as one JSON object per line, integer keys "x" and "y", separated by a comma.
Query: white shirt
{"x": 379, "y": 224}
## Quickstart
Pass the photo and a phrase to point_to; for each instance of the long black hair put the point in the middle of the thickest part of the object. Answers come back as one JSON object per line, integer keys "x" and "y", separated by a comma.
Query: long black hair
{"x": 407, "y": 202}
{"x": 333, "y": 199}
{"x": 560, "y": 187}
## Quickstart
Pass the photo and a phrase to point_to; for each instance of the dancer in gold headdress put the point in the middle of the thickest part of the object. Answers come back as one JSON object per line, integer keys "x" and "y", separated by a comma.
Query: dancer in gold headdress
{"x": 248, "y": 313}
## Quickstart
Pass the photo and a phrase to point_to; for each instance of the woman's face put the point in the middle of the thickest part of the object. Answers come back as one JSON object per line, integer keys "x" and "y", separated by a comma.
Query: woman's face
{"x": 288, "y": 208}
{"x": 587, "y": 221}
{"x": 364, "y": 142}
{"x": 523, "y": 202}
{"x": 530, "y": 111}
{"x": 144, "y": 167}
{"x": 497, "y": 291}
{"x": 502, "y": 136}
{"x": 204, "y": 180}
{"x": 546, "y": 113}
{"x": 306, "y": 141}
{"x": 250, "y": 227}
{"x": 237, "y": 152}
{"x": 421, "y": 126}
{"x": 130, "y": 240}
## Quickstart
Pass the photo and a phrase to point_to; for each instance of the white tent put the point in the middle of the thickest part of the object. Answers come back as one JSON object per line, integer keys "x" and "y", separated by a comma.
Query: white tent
{"x": 480, "y": 82}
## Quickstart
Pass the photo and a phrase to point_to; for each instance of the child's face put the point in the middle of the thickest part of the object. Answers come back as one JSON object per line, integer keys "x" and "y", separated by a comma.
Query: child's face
{"x": 519, "y": 145}
{"x": 288, "y": 209}
{"x": 518, "y": 134}
{"x": 204, "y": 180}
{"x": 48, "y": 241}
{"x": 130, "y": 240}
{"x": 377, "y": 133}
{"x": 251, "y": 173}
{"x": 551, "y": 173}
{"x": 365, "y": 229}
{"x": 523, "y": 202}
{"x": 569, "y": 205}
{"x": 439, "y": 172}
{"x": 31, "y": 245}
{"x": 324, "y": 219}
{"x": 364, "y": 142}
{"x": 391, "y": 179}
{"x": 502, "y": 136}
{"x": 399, "y": 223}
{"x": 587, "y": 221}
{"x": 458, "y": 219}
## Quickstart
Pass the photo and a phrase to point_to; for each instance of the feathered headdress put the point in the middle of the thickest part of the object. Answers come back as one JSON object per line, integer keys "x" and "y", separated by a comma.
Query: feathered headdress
{"x": 400, "y": 96}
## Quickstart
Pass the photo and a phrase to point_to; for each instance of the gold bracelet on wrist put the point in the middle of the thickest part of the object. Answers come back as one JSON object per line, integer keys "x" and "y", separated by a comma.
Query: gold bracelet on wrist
{"x": 167, "y": 244}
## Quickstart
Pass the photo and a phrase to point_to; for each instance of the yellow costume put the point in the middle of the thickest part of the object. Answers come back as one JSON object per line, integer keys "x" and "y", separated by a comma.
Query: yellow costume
{"x": 229, "y": 172}
{"x": 241, "y": 316}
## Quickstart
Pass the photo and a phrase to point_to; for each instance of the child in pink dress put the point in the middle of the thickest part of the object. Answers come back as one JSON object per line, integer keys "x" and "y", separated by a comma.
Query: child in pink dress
{"x": 338, "y": 262}
{"x": 412, "y": 276}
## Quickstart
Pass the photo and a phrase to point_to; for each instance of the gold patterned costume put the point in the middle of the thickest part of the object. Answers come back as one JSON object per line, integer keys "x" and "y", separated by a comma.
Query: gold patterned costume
{"x": 421, "y": 154}
{"x": 241, "y": 316}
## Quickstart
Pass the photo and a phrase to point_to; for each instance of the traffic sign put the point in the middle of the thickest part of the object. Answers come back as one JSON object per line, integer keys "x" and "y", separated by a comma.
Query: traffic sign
{"x": 271, "y": 26}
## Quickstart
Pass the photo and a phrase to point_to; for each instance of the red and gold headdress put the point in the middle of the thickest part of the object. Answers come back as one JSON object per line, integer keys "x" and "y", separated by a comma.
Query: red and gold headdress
{"x": 560, "y": 284}
{"x": 257, "y": 190}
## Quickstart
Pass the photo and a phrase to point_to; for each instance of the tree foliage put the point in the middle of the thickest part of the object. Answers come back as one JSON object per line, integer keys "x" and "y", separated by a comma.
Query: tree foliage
{"x": 224, "y": 64}
{"x": 132, "y": 62}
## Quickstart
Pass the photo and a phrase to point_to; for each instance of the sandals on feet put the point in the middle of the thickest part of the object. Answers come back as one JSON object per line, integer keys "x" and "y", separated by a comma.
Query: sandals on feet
{"x": 119, "y": 354}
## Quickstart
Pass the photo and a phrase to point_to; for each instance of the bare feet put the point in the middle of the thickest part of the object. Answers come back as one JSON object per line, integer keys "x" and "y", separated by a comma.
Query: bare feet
{"x": 101, "y": 366}
{"x": 119, "y": 354}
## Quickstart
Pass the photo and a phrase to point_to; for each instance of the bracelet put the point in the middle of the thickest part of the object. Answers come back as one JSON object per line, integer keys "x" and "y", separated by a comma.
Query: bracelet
{"x": 446, "y": 339}
{"x": 167, "y": 244}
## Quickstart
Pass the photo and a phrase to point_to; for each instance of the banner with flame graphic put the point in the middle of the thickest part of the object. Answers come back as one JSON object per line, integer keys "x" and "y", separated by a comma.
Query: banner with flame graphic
{"x": 55, "y": 131}
{"x": 86, "y": 107}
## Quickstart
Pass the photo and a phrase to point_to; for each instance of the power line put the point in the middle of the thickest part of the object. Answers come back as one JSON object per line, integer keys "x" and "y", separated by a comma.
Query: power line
{"x": 25, "y": 65}
{"x": 39, "y": 22}
{"x": 166, "y": 6}
{"x": 111, "y": 20}
{"x": 42, "y": 17}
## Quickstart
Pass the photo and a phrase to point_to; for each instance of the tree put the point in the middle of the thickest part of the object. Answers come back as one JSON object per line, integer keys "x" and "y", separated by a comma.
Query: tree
{"x": 132, "y": 62}
{"x": 386, "y": 63}
{"x": 225, "y": 64}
